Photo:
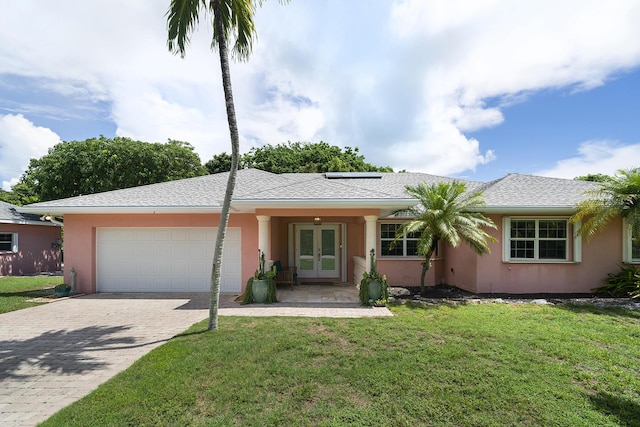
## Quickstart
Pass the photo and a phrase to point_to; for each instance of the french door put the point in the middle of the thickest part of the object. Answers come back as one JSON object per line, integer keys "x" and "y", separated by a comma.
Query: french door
{"x": 317, "y": 251}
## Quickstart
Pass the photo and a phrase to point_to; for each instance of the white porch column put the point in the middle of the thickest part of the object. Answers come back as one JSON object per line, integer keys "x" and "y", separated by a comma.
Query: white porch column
{"x": 370, "y": 237}
{"x": 263, "y": 234}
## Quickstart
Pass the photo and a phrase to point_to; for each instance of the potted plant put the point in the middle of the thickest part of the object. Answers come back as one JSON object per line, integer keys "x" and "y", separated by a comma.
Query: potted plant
{"x": 374, "y": 288}
{"x": 62, "y": 290}
{"x": 261, "y": 288}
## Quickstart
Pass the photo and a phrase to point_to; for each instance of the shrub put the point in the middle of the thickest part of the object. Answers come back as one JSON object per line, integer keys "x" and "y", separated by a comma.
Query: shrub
{"x": 624, "y": 283}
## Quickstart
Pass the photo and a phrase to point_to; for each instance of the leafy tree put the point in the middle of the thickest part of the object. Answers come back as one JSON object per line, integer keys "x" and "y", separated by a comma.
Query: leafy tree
{"x": 446, "y": 213}
{"x": 232, "y": 21}
{"x": 593, "y": 177}
{"x": 308, "y": 157}
{"x": 102, "y": 164}
{"x": 299, "y": 157}
{"x": 219, "y": 163}
{"x": 21, "y": 193}
{"x": 616, "y": 196}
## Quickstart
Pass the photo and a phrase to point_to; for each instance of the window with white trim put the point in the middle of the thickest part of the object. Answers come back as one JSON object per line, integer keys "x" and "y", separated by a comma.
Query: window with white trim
{"x": 536, "y": 239}
{"x": 405, "y": 246}
{"x": 8, "y": 242}
{"x": 631, "y": 242}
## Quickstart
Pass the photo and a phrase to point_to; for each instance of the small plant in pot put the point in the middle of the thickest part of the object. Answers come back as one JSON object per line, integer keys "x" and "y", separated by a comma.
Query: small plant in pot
{"x": 261, "y": 288}
{"x": 62, "y": 290}
{"x": 374, "y": 288}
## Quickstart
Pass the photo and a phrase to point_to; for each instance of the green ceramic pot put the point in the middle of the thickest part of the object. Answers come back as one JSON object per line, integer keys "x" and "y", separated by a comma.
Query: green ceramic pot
{"x": 62, "y": 293}
{"x": 260, "y": 290}
{"x": 375, "y": 290}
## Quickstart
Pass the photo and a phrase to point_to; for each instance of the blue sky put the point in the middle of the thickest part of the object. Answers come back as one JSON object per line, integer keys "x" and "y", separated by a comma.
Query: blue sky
{"x": 465, "y": 88}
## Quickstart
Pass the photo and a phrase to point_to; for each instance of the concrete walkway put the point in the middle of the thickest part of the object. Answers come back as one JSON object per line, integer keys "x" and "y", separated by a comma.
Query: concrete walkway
{"x": 54, "y": 354}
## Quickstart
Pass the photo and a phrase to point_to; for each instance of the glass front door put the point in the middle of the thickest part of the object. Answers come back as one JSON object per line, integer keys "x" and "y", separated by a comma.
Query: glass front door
{"x": 317, "y": 251}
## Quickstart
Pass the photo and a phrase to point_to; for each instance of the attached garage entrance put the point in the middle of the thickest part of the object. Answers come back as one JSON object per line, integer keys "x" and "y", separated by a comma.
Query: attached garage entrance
{"x": 165, "y": 260}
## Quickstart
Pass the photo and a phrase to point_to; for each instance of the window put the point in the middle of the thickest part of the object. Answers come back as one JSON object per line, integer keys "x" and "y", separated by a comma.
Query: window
{"x": 405, "y": 246}
{"x": 536, "y": 239}
{"x": 8, "y": 242}
{"x": 631, "y": 242}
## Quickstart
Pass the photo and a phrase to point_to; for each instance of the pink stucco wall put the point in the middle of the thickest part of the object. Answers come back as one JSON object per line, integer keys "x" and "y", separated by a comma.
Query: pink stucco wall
{"x": 489, "y": 274}
{"x": 35, "y": 251}
{"x": 456, "y": 266}
{"x": 80, "y": 239}
{"x": 407, "y": 272}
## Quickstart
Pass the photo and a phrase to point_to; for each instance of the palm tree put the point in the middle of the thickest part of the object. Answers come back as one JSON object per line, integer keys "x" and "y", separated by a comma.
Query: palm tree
{"x": 232, "y": 19}
{"x": 616, "y": 196}
{"x": 446, "y": 213}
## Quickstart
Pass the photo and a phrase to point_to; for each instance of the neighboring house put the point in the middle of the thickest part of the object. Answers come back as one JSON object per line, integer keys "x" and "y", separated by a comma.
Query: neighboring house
{"x": 160, "y": 237}
{"x": 28, "y": 245}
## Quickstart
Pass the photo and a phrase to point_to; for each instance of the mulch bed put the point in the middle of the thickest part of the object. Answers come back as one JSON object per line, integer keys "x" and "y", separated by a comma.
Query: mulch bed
{"x": 445, "y": 294}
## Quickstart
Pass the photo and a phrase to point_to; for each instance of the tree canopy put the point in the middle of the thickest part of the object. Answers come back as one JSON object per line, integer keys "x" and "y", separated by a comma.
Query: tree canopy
{"x": 102, "y": 164}
{"x": 298, "y": 157}
{"x": 593, "y": 177}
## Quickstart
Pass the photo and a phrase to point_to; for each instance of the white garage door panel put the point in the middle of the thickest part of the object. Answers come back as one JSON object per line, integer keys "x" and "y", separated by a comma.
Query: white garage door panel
{"x": 165, "y": 259}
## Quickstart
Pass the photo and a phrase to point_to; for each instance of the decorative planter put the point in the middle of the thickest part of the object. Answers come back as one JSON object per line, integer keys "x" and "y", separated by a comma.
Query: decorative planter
{"x": 375, "y": 291}
{"x": 260, "y": 289}
{"x": 62, "y": 292}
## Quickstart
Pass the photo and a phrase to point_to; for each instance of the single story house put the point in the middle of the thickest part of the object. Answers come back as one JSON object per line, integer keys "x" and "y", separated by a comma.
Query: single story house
{"x": 160, "y": 237}
{"x": 28, "y": 244}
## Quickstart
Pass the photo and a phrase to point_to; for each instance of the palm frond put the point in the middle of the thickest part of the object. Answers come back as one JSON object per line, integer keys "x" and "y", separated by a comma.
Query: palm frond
{"x": 237, "y": 17}
{"x": 617, "y": 196}
{"x": 447, "y": 213}
{"x": 182, "y": 17}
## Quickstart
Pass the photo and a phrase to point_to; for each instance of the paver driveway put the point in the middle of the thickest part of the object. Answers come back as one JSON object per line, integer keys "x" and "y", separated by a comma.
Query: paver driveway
{"x": 54, "y": 354}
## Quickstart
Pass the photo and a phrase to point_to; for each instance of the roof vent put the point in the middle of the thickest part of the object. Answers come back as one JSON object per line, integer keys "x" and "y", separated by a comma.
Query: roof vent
{"x": 352, "y": 175}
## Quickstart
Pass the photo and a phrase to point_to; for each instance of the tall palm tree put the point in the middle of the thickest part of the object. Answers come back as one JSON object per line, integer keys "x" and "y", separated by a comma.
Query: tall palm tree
{"x": 232, "y": 20}
{"x": 446, "y": 213}
{"x": 616, "y": 196}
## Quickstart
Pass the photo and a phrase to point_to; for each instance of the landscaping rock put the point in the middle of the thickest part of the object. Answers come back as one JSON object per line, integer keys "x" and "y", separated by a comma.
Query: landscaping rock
{"x": 450, "y": 295}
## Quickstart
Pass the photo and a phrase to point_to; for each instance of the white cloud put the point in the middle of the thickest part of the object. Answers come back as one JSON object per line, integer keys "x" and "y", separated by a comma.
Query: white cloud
{"x": 403, "y": 81}
{"x": 21, "y": 140}
{"x": 605, "y": 157}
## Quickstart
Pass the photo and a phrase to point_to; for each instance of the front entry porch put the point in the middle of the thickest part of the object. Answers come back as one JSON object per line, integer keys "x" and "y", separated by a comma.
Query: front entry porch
{"x": 342, "y": 293}
{"x": 323, "y": 245}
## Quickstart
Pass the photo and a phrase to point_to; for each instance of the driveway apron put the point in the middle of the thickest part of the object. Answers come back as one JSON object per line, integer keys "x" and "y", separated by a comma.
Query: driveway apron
{"x": 54, "y": 354}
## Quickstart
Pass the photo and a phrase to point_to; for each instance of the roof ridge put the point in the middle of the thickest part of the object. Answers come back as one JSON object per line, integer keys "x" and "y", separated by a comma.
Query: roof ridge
{"x": 487, "y": 185}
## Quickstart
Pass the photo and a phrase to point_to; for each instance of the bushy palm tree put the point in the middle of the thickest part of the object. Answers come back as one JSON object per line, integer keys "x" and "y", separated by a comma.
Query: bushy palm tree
{"x": 232, "y": 21}
{"x": 616, "y": 196}
{"x": 446, "y": 213}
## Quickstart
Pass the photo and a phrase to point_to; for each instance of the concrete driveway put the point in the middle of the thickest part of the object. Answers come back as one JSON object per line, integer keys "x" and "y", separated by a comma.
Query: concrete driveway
{"x": 54, "y": 354}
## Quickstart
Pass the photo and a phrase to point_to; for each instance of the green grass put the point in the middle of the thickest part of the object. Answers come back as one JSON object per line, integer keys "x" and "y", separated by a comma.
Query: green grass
{"x": 15, "y": 292}
{"x": 476, "y": 365}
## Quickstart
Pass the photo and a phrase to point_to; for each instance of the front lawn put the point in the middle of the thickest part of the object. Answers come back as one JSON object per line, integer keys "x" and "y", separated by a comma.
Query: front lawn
{"x": 15, "y": 291}
{"x": 475, "y": 365}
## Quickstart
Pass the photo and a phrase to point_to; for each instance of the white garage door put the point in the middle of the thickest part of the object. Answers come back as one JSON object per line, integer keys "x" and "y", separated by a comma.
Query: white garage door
{"x": 165, "y": 260}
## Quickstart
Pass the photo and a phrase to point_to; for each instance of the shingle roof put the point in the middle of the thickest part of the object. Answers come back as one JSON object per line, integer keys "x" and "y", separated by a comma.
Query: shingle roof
{"x": 530, "y": 191}
{"x": 259, "y": 187}
{"x": 9, "y": 214}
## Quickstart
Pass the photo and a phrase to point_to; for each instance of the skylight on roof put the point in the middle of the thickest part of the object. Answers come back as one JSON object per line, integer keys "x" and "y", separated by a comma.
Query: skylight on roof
{"x": 352, "y": 175}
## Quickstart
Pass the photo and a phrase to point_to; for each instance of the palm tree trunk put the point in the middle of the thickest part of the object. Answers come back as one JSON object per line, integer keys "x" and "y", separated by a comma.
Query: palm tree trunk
{"x": 426, "y": 265}
{"x": 231, "y": 181}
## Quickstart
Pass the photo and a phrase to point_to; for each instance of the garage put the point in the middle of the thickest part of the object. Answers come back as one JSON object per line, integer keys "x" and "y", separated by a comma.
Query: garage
{"x": 165, "y": 260}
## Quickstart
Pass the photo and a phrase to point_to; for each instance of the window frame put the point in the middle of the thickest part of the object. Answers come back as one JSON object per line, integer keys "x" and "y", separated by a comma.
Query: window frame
{"x": 627, "y": 243}
{"x": 574, "y": 249}
{"x": 14, "y": 242}
{"x": 402, "y": 242}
